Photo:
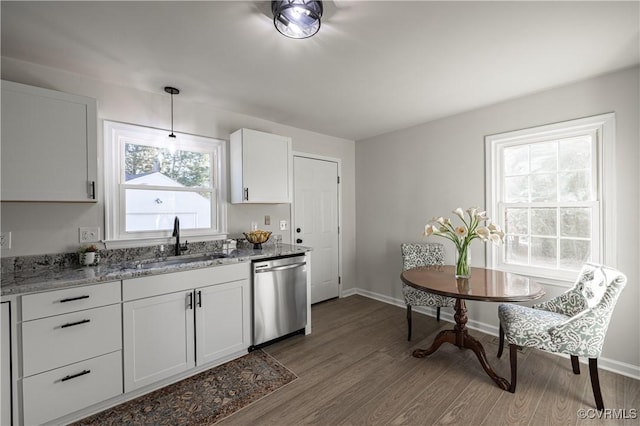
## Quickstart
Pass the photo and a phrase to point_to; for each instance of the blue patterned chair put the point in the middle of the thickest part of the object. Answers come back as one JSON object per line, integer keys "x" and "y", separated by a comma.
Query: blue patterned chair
{"x": 574, "y": 323}
{"x": 413, "y": 256}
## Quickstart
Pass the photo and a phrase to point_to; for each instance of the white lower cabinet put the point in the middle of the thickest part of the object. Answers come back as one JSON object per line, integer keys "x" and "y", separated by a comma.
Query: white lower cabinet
{"x": 158, "y": 339}
{"x": 64, "y": 339}
{"x": 53, "y": 394}
{"x": 5, "y": 366}
{"x": 222, "y": 320}
{"x": 71, "y": 350}
{"x": 167, "y": 334}
{"x": 88, "y": 344}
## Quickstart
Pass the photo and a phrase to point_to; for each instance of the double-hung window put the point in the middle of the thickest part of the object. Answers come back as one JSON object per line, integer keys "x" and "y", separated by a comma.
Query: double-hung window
{"x": 552, "y": 190}
{"x": 151, "y": 179}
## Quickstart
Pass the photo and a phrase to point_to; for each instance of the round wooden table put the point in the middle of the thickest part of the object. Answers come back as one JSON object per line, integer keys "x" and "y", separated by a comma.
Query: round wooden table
{"x": 486, "y": 285}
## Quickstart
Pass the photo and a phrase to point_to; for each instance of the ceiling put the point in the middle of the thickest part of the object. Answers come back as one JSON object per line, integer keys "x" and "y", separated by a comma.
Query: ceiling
{"x": 374, "y": 67}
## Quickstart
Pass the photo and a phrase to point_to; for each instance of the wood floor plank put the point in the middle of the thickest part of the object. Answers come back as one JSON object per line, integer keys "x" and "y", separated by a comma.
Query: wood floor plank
{"x": 356, "y": 368}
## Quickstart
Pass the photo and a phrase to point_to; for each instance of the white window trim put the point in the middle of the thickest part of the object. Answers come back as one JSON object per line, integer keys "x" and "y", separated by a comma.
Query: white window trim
{"x": 114, "y": 234}
{"x": 604, "y": 127}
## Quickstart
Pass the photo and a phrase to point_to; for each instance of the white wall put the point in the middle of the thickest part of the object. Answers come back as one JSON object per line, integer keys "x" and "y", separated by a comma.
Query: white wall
{"x": 50, "y": 228}
{"x": 405, "y": 178}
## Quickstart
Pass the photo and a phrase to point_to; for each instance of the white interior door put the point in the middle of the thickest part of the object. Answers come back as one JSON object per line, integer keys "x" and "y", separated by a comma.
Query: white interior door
{"x": 316, "y": 222}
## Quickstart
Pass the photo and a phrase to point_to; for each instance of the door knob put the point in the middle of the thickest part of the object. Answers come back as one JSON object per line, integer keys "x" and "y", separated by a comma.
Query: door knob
{"x": 298, "y": 230}
{"x": 299, "y": 241}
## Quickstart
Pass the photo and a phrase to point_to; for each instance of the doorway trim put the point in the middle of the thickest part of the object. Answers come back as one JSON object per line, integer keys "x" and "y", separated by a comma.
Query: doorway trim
{"x": 338, "y": 161}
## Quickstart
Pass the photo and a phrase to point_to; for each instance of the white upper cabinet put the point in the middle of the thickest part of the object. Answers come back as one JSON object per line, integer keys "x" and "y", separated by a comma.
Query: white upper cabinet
{"x": 261, "y": 167}
{"x": 49, "y": 145}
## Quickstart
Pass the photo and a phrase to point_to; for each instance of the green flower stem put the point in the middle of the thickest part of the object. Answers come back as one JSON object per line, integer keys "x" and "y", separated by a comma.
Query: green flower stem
{"x": 463, "y": 268}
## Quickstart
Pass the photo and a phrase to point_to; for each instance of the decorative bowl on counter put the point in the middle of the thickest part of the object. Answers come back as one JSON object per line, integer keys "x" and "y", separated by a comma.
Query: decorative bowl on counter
{"x": 257, "y": 238}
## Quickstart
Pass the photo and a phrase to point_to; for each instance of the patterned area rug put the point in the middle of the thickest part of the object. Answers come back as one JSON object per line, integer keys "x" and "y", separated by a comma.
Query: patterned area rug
{"x": 204, "y": 398}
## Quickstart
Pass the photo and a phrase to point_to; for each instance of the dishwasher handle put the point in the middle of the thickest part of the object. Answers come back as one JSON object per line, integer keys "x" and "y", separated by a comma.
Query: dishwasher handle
{"x": 280, "y": 268}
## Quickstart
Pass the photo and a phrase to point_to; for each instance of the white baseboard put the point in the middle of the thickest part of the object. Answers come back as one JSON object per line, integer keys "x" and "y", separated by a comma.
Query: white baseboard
{"x": 629, "y": 370}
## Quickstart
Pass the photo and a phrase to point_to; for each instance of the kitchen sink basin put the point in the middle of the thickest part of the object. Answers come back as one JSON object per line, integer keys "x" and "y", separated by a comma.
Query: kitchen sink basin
{"x": 178, "y": 260}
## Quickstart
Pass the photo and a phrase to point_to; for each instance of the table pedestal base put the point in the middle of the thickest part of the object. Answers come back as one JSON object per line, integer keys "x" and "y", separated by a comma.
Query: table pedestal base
{"x": 460, "y": 337}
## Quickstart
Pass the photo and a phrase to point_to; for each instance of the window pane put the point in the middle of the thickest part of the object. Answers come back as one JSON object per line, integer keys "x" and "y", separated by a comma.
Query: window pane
{"x": 516, "y": 249}
{"x": 153, "y": 210}
{"x": 543, "y": 222}
{"x": 516, "y": 160}
{"x": 543, "y": 187}
{"x": 516, "y": 189}
{"x": 575, "y": 153}
{"x": 517, "y": 221}
{"x": 574, "y": 253}
{"x": 544, "y": 157}
{"x": 575, "y": 222}
{"x": 575, "y": 186}
{"x": 159, "y": 166}
{"x": 544, "y": 252}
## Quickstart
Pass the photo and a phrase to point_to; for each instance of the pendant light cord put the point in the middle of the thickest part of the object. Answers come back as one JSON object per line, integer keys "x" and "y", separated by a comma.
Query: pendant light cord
{"x": 172, "y": 91}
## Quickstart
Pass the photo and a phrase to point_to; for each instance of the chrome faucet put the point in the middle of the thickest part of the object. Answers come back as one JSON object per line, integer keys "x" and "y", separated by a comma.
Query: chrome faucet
{"x": 176, "y": 233}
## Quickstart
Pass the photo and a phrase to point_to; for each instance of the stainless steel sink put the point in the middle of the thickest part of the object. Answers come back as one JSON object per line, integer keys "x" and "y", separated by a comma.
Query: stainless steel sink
{"x": 178, "y": 260}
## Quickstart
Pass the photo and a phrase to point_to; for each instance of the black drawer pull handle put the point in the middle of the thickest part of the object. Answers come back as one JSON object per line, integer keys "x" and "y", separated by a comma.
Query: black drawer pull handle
{"x": 71, "y": 299}
{"x": 73, "y": 376}
{"x": 71, "y": 324}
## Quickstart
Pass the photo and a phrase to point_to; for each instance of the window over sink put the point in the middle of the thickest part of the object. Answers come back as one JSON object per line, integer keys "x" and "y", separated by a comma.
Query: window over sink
{"x": 151, "y": 179}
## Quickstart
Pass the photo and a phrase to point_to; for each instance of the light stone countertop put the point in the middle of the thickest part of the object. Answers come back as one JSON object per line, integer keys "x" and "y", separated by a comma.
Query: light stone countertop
{"x": 24, "y": 282}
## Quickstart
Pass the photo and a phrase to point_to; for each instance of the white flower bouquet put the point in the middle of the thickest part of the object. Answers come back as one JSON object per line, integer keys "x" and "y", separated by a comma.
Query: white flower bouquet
{"x": 462, "y": 236}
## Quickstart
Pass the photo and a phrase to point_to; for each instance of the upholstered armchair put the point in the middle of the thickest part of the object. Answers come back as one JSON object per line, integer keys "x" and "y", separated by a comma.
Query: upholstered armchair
{"x": 573, "y": 323}
{"x": 422, "y": 254}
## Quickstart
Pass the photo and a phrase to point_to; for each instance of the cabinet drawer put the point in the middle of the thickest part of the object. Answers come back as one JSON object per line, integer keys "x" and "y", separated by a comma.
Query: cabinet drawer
{"x": 56, "y": 393}
{"x": 58, "y": 302}
{"x": 64, "y": 339}
{"x": 138, "y": 288}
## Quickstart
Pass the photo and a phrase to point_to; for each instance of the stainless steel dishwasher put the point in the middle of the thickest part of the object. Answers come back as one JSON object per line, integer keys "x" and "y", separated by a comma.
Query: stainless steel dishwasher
{"x": 279, "y": 298}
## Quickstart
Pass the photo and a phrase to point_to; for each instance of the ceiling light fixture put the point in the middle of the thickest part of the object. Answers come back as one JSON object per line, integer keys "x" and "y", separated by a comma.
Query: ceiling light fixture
{"x": 297, "y": 18}
{"x": 173, "y": 91}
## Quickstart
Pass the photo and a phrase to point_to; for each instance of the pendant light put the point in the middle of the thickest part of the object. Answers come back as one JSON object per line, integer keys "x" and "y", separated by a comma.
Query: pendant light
{"x": 172, "y": 91}
{"x": 297, "y": 18}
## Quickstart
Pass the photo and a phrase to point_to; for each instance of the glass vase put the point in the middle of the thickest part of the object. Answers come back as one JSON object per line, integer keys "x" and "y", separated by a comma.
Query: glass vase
{"x": 463, "y": 262}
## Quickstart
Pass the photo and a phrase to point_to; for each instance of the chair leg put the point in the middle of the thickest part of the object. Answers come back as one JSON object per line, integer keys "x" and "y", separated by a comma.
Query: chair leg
{"x": 513, "y": 356}
{"x": 409, "y": 322}
{"x": 501, "y": 342}
{"x": 575, "y": 364}
{"x": 595, "y": 383}
{"x": 438, "y": 313}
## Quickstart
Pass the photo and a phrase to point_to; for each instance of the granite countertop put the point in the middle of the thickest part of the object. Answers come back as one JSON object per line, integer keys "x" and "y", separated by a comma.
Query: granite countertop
{"x": 22, "y": 282}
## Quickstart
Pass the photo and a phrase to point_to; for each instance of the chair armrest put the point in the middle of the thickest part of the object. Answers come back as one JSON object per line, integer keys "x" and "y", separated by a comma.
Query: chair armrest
{"x": 582, "y": 335}
{"x": 569, "y": 303}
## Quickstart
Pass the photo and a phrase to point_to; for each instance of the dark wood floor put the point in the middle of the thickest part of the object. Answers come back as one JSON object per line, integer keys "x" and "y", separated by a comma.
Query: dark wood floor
{"x": 356, "y": 368}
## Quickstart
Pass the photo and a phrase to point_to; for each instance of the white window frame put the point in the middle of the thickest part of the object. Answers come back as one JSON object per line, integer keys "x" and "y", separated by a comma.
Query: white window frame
{"x": 602, "y": 128}
{"x": 116, "y": 135}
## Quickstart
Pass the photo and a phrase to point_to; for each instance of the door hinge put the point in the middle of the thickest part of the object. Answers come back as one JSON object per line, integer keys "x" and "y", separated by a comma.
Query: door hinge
{"x": 338, "y": 179}
{"x": 339, "y": 280}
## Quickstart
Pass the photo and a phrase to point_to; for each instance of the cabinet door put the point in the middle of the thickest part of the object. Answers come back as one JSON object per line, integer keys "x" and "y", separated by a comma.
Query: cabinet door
{"x": 158, "y": 338}
{"x": 5, "y": 368}
{"x": 261, "y": 167}
{"x": 49, "y": 145}
{"x": 222, "y": 320}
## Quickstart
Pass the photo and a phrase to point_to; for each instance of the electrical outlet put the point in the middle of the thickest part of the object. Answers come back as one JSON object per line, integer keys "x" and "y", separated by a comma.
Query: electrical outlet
{"x": 5, "y": 240}
{"x": 89, "y": 235}
{"x": 267, "y": 220}
{"x": 283, "y": 225}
